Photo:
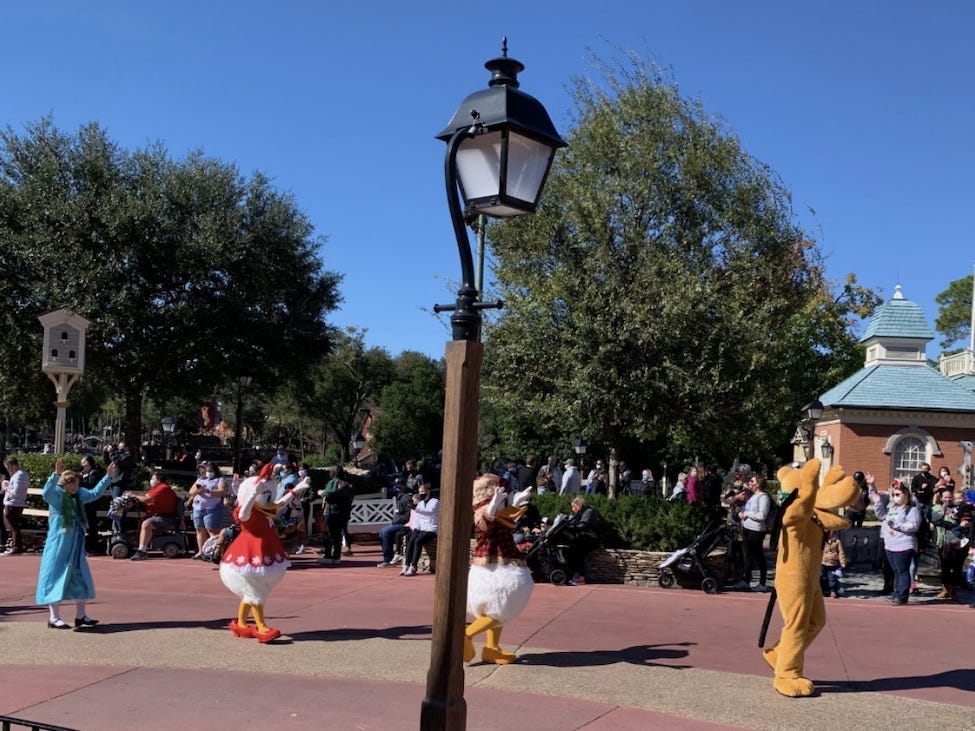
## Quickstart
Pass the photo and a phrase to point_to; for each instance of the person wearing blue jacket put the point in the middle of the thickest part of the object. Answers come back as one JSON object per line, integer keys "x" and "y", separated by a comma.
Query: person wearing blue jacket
{"x": 64, "y": 573}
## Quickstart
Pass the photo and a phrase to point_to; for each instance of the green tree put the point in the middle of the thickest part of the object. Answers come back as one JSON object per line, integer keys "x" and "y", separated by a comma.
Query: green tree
{"x": 343, "y": 385}
{"x": 663, "y": 292}
{"x": 410, "y": 422}
{"x": 954, "y": 319}
{"x": 191, "y": 274}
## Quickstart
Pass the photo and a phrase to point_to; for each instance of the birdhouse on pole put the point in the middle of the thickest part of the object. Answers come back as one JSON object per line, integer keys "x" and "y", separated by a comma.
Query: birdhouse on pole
{"x": 63, "y": 360}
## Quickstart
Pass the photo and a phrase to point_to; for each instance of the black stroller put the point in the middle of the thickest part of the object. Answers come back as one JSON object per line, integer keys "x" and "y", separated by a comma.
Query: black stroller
{"x": 690, "y": 560}
{"x": 546, "y": 556}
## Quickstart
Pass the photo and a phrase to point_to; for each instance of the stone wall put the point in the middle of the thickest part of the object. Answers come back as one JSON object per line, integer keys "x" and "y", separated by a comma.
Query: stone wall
{"x": 623, "y": 566}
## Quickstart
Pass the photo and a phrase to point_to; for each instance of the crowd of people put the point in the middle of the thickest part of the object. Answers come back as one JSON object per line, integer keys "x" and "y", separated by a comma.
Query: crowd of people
{"x": 927, "y": 513}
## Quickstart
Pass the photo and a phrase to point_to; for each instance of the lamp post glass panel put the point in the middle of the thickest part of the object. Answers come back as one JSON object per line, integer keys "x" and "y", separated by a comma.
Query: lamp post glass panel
{"x": 500, "y": 147}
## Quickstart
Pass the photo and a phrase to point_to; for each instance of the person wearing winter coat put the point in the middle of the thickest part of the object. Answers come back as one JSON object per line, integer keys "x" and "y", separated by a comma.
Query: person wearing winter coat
{"x": 64, "y": 573}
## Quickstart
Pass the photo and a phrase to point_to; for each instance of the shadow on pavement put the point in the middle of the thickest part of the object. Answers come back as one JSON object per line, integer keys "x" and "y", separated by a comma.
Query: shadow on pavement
{"x": 411, "y": 632}
{"x": 636, "y": 655}
{"x": 962, "y": 679}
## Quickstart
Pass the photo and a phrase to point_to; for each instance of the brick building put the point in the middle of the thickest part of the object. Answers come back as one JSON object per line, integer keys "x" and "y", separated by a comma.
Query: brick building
{"x": 900, "y": 410}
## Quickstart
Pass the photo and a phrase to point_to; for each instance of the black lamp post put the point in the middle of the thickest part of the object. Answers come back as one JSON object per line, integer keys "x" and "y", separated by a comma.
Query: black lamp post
{"x": 356, "y": 444}
{"x": 168, "y": 425}
{"x": 500, "y": 147}
{"x": 242, "y": 383}
{"x": 579, "y": 446}
{"x": 811, "y": 413}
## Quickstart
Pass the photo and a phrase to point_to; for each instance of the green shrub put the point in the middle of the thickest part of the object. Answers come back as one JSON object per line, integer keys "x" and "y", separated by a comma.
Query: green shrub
{"x": 641, "y": 523}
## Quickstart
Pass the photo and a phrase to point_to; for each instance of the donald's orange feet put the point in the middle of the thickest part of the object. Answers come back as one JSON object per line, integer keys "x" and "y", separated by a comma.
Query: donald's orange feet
{"x": 241, "y": 630}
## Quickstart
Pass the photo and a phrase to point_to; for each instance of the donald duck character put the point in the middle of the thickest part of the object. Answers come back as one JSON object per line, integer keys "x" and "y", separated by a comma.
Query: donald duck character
{"x": 499, "y": 584}
{"x": 255, "y": 561}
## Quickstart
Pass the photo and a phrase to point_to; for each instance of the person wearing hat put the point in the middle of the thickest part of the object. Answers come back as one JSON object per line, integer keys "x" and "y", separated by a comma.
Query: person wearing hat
{"x": 64, "y": 573}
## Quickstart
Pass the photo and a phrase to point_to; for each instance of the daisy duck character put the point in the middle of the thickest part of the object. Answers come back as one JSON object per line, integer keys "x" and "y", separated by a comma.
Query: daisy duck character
{"x": 255, "y": 561}
{"x": 499, "y": 584}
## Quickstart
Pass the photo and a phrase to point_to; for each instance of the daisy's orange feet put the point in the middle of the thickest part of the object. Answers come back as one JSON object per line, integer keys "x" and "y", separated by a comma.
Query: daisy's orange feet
{"x": 241, "y": 631}
{"x": 267, "y": 635}
{"x": 497, "y": 656}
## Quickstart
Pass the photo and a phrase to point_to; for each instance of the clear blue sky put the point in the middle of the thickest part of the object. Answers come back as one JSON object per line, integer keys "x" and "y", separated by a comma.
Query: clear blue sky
{"x": 865, "y": 109}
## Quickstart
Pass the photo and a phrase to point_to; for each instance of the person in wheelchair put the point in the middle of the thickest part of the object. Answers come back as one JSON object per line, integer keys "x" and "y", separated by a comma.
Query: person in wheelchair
{"x": 161, "y": 512}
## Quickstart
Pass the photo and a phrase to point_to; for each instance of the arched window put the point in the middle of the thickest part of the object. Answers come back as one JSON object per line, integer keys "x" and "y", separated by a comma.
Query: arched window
{"x": 906, "y": 459}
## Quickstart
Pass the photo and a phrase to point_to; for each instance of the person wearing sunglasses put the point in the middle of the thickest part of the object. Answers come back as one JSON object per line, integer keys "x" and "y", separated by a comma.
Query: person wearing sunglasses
{"x": 900, "y": 520}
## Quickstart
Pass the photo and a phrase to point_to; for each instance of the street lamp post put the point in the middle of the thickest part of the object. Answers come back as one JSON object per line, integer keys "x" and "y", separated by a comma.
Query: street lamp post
{"x": 811, "y": 413}
{"x": 500, "y": 147}
{"x": 242, "y": 383}
{"x": 579, "y": 446}
{"x": 168, "y": 425}
{"x": 356, "y": 444}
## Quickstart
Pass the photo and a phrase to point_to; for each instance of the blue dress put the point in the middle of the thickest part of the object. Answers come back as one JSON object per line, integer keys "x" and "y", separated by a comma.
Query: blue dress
{"x": 64, "y": 572}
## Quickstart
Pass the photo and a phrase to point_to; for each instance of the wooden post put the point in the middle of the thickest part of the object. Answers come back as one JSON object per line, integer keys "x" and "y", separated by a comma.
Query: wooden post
{"x": 444, "y": 708}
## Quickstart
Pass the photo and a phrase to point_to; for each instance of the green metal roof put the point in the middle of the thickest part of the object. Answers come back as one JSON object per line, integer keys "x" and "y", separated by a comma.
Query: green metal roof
{"x": 898, "y": 318}
{"x": 900, "y": 387}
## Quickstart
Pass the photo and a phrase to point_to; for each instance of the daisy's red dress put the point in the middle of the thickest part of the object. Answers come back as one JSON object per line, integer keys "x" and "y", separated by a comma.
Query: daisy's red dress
{"x": 255, "y": 561}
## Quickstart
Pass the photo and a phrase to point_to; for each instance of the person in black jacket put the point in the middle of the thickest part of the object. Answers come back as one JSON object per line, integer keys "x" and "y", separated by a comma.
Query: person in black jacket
{"x": 91, "y": 474}
{"x": 583, "y": 529}
{"x": 390, "y": 536}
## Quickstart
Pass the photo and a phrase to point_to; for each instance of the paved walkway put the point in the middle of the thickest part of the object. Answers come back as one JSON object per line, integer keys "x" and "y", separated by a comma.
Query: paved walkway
{"x": 356, "y": 652}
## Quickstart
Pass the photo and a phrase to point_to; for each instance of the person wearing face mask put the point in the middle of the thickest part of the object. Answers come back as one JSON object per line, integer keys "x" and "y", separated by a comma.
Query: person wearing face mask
{"x": 900, "y": 520}
{"x": 206, "y": 495}
{"x": 945, "y": 480}
{"x": 161, "y": 512}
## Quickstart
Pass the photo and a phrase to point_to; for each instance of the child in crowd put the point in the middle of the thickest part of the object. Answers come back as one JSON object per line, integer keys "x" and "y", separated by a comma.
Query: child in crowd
{"x": 834, "y": 561}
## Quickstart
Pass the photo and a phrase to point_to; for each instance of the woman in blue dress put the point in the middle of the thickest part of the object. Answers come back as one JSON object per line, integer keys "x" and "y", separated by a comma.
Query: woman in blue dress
{"x": 64, "y": 570}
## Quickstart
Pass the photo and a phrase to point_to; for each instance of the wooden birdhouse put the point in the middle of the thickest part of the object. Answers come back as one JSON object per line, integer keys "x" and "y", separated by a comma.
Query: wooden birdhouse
{"x": 64, "y": 342}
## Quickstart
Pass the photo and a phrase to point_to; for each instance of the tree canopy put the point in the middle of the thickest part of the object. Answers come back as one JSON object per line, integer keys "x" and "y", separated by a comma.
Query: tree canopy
{"x": 954, "y": 319}
{"x": 663, "y": 293}
{"x": 191, "y": 273}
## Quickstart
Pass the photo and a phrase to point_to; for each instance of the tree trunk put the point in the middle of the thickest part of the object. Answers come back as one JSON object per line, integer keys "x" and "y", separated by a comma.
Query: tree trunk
{"x": 132, "y": 424}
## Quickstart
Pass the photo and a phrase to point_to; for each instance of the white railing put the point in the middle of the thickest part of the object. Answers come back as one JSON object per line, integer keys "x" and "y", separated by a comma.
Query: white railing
{"x": 369, "y": 511}
{"x": 957, "y": 364}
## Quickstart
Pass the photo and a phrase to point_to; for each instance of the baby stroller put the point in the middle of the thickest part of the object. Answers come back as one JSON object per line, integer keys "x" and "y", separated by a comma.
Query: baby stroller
{"x": 546, "y": 556}
{"x": 689, "y": 561}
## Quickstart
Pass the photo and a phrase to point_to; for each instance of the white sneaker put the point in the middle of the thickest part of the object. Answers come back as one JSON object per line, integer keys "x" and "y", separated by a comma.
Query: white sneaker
{"x": 383, "y": 565}
{"x": 300, "y": 550}
{"x": 398, "y": 558}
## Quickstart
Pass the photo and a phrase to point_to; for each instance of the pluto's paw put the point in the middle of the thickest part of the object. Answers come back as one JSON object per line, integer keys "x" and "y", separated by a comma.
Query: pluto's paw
{"x": 794, "y": 687}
